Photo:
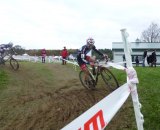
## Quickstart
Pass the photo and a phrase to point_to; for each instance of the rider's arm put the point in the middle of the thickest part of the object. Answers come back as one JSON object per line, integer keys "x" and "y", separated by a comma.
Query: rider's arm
{"x": 94, "y": 48}
{"x": 83, "y": 51}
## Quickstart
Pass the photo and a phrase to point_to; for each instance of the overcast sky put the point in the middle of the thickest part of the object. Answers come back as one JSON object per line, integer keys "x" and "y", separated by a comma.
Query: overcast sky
{"x": 52, "y": 24}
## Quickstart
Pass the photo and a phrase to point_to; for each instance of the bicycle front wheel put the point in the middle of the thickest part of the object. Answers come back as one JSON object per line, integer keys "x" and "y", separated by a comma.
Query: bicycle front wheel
{"x": 14, "y": 64}
{"x": 109, "y": 79}
{"x": 89, "y": 83}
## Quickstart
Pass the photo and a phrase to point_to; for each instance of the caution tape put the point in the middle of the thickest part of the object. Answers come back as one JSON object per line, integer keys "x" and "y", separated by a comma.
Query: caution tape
{"x": 98, "y": 116}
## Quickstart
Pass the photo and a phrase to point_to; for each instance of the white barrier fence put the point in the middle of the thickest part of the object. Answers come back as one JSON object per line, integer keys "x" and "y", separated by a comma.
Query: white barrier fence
{"x": 98, "y": 116}
{"x": 48, "y": 59}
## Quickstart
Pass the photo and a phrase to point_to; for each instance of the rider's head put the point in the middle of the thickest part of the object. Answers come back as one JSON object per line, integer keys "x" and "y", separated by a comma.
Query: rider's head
{"x": 90, "y": 42}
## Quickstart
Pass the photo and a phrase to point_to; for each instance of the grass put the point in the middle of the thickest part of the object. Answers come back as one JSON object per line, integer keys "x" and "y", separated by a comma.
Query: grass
{"x": 3, "y": 79}
{"x": 148, "y": 90}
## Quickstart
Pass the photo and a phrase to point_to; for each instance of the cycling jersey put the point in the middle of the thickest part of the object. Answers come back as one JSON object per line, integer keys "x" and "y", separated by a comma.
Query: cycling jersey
{"x": 84, "y": 51}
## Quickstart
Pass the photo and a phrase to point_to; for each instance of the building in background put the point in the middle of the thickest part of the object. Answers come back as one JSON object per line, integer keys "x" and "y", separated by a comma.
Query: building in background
{"x": 137, "y": 50}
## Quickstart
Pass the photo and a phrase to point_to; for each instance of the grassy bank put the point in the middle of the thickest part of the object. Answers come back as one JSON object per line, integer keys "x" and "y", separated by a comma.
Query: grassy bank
{"x": 3, "y": 79}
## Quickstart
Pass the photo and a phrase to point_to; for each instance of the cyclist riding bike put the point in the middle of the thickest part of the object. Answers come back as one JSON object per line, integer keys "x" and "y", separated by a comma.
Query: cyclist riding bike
{"x": 83, "y": 58}
{"x": 6, "y": 54}
{"x": 3, "y": 48}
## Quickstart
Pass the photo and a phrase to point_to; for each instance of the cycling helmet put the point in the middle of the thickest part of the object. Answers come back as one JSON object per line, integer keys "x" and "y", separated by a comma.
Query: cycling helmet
{"x": 90, "y": 41}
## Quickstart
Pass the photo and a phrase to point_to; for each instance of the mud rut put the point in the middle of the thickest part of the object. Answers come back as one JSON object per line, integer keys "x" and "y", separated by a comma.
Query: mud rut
{"x": 61, "y": 106}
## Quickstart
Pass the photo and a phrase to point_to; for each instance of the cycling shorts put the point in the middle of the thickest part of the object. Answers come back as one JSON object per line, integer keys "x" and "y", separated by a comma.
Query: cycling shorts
{"x": 81, "y": 63}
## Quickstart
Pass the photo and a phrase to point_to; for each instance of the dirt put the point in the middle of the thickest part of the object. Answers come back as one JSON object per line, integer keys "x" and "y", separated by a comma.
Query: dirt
{"x": 50, "y": 107}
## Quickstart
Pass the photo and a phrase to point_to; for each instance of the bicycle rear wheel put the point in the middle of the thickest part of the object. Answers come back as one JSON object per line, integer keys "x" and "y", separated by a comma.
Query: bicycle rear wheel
{"x": 88, "y": 84}
{"x": 109, "y": 79}
{"x": 14, "y": 64}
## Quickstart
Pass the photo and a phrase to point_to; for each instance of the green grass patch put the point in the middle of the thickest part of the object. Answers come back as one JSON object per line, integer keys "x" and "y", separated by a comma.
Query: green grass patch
{"x": 3, "y": 79}
{"x": 149, "y": 92}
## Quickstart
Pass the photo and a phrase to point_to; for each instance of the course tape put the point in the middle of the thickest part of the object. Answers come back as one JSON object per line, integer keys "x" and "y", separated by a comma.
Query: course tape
{"x": 98, "y": 116}
{"x": 107, "y": 65}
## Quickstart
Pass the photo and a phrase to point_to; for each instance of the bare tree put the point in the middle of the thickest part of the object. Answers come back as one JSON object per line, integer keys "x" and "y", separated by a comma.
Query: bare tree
{"x": 152, "y": 34}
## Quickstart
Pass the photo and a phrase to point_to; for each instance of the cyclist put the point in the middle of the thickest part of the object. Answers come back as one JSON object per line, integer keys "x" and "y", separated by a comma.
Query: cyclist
{"x": 83, "y": 58}
{"x": 4, "y": 47}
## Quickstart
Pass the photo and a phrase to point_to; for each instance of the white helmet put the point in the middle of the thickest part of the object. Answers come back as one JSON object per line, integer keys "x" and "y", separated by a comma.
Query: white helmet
{"x": 90, "y": 41}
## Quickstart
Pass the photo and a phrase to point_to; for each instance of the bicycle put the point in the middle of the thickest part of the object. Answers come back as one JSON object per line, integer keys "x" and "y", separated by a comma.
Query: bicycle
{"x": 107, "y": 76}
{"x": 6, "y": 54}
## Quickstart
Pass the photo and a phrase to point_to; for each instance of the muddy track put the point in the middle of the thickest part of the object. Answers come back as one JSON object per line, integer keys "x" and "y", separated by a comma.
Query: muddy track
{"x": 57, "y": 108}
{"x": 60, "y": 108}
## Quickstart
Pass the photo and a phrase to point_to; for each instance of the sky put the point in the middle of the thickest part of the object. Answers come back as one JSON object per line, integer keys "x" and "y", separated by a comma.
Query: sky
{"x": 53, "y": 24}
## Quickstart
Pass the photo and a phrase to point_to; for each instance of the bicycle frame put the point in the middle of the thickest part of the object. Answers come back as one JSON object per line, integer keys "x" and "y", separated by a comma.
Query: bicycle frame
{"x": 94, "y": 77}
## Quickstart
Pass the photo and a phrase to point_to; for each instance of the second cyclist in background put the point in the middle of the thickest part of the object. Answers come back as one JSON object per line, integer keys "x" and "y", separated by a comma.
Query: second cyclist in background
{"x": 3, "y": 48}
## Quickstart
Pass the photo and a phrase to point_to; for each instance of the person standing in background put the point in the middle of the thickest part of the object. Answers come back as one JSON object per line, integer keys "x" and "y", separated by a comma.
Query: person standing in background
{"x": 137, "y": 61}
{"x": 144, "y": 58}
{"x": 64, "y": 54}
{"x": 154, "y": 59}
{"x": 124, "y": 60}
{"x": 43, "y": 53}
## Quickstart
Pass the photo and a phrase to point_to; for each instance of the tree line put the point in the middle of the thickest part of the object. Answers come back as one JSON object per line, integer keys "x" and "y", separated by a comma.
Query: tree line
{"x": 37, "y": 52}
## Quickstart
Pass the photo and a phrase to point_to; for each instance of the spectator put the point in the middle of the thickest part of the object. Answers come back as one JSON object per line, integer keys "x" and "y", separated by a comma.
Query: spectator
{"x": 64, "y": 54}
{"x": 149, "y": 60}
{"x": 124, "y": 60}
{"x": 137, "y": 61}
{"x": 154, "y": 59}
{"x": 43, "y": 53}
{"x": 144, "y": 58}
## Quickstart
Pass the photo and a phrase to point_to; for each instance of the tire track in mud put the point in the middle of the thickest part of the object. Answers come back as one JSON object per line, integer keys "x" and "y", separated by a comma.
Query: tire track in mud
{"x": 59, "y": 108}
{"x": 76, "y": 102}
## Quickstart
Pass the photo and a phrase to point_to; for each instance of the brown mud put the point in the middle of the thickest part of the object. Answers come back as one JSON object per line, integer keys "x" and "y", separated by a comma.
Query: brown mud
{"x": 51, "y": 108}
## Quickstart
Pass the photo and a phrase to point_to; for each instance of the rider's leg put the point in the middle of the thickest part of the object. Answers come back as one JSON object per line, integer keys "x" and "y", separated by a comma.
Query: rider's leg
{"x": 92, "y": 61}
{"x": 84, "y": 68}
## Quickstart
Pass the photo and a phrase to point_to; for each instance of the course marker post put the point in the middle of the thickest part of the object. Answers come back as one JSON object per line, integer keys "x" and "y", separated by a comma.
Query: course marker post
{"x": 133, "y": 87}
